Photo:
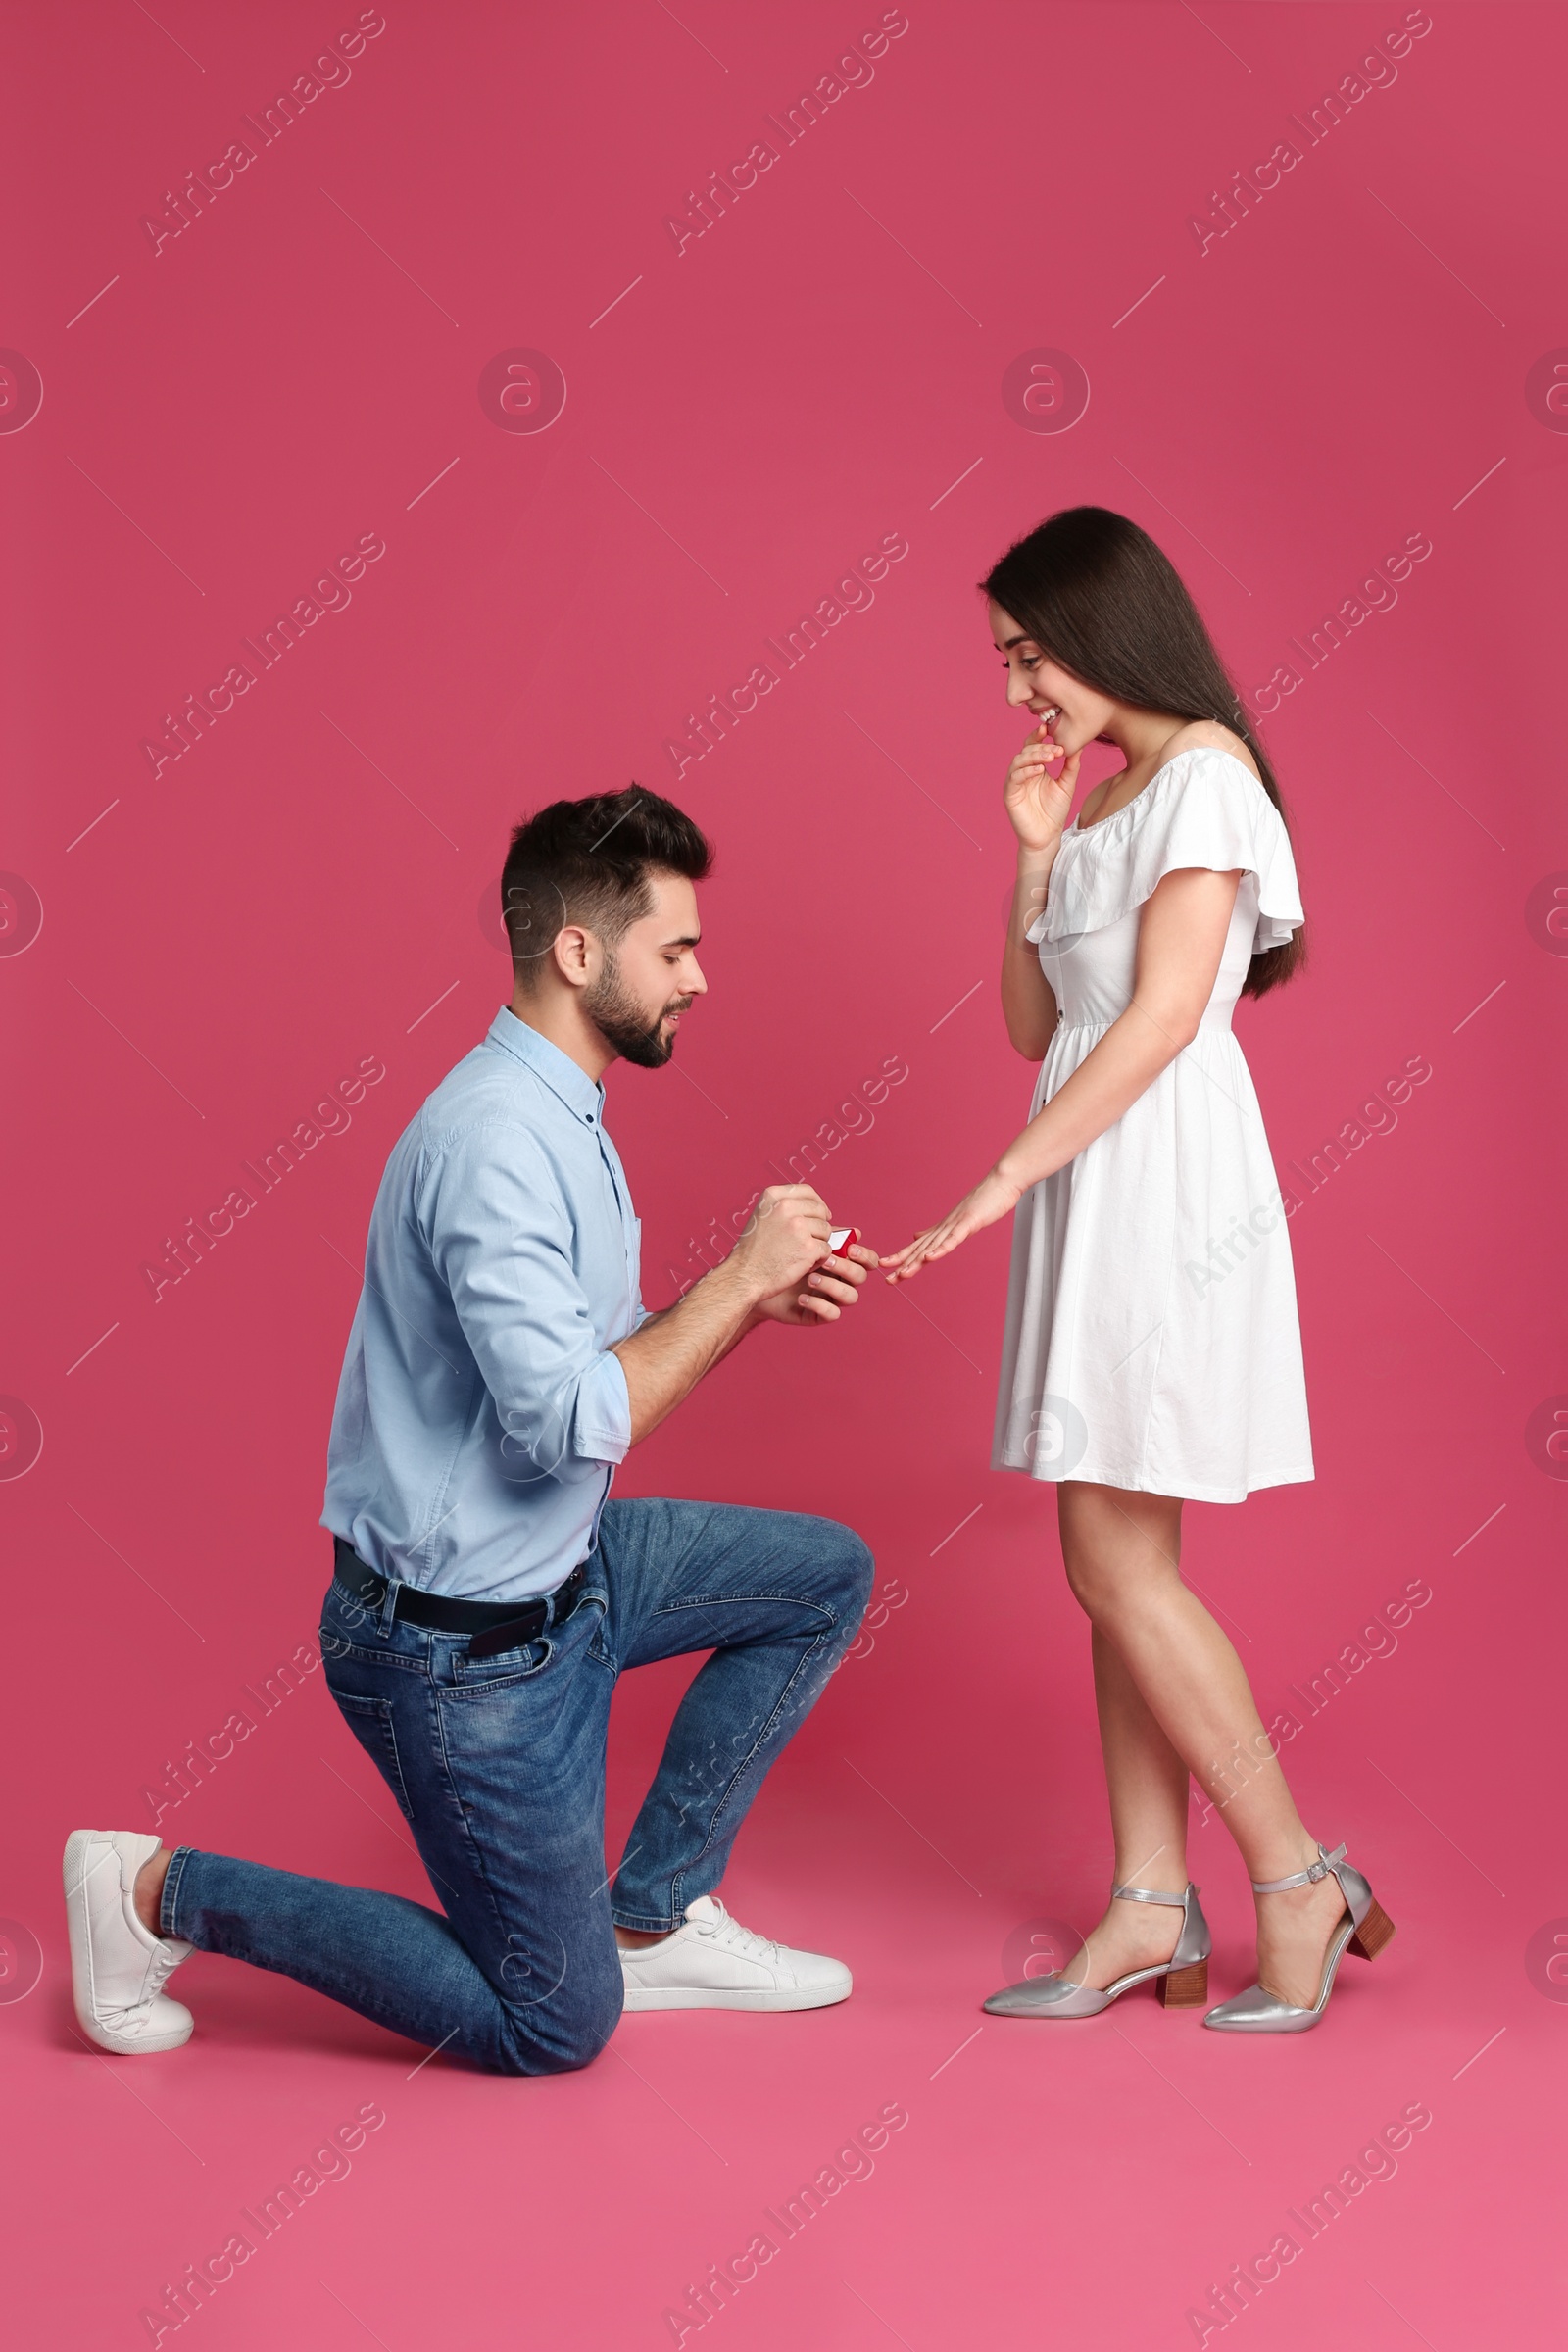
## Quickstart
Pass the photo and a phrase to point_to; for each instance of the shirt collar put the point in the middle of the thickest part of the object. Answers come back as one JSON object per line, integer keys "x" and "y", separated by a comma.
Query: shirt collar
{"x": 583, "y": 1096}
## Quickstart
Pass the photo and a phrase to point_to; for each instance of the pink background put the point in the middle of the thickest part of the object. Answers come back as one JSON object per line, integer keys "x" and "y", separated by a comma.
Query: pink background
{"x": 1349, "y": 366}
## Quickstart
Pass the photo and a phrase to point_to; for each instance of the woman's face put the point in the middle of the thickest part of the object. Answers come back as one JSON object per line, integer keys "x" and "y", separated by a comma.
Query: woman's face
{"x": 1075, "y": 715}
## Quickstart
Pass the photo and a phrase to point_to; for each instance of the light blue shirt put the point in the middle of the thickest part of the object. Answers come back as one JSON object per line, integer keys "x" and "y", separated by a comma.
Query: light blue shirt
{"x": 481, "y": 1414}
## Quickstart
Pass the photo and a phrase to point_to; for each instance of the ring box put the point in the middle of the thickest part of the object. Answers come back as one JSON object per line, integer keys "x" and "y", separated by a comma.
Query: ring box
{"x": 839, "y": 1239}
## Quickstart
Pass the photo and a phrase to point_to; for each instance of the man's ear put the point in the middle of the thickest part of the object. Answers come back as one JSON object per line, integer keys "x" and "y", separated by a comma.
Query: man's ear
{"x": 573, "y": 949}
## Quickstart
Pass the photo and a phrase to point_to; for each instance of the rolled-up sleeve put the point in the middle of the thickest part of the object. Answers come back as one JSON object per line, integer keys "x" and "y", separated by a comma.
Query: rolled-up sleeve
{"x": 500, "y": 1235}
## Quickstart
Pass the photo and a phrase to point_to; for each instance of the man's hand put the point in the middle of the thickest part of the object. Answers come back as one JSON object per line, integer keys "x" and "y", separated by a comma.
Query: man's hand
{"x": 767, "y": 1277}
{"x": 785, "y": 1236}
{"x": 830, "y": 1287}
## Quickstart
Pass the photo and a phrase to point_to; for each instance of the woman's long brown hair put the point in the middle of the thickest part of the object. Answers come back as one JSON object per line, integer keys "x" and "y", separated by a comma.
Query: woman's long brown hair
{"x": 1098, "y": 597}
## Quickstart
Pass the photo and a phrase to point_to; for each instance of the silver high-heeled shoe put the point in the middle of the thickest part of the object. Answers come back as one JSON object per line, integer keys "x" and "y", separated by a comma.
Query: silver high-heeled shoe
{"x": 1182, "y": 1978}
{"x": 1364, "y": 1929}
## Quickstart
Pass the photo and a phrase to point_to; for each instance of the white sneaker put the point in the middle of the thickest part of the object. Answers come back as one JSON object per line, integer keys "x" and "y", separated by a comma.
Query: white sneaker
{"x": 713, "y": 1962}
{"x": 118, "y": 1968}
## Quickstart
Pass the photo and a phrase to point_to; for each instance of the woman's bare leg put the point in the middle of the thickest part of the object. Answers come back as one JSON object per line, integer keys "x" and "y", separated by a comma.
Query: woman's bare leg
{"x": 1147, "y": 1783}
{"x": 1174, "y": 1699}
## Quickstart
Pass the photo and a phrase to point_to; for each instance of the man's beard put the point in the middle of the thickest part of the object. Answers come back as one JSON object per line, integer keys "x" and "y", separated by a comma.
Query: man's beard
{"x": 623, "y": 1023}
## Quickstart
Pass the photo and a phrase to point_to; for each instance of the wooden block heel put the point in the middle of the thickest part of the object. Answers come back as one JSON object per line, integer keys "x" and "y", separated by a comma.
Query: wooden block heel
{"x": 1373, "y": 1933}
{"x": 1187, "y": 1988}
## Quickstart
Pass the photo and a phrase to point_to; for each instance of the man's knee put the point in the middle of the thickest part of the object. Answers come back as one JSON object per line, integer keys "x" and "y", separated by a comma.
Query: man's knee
{"x": 539, "y": 2041}
{"x": 846, "y": 1567}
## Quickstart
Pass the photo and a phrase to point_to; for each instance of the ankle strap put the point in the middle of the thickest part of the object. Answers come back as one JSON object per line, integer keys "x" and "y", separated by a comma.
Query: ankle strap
{"x": 1147, "y": 1894}
{"x": 1302, "y": 1878}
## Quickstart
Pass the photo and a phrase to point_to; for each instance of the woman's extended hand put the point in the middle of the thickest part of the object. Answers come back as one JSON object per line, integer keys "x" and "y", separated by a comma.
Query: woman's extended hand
{"x": 1037, "y": 802}
{"x": 993, "y": 1197}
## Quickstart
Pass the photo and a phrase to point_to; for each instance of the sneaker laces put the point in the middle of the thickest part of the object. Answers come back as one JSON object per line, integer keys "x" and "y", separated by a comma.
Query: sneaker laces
{"x": 727, "y": 1930}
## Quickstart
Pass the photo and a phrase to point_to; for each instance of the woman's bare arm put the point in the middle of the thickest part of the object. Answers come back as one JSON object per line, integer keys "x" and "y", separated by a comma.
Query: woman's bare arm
{"x": 1181, "y": 939}
{"x": 1037, "y": 805}
{"x": 1028, "y": 1000}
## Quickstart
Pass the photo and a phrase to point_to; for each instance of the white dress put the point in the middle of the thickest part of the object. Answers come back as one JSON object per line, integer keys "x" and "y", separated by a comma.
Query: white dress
{"x": 1152, "y": 1339}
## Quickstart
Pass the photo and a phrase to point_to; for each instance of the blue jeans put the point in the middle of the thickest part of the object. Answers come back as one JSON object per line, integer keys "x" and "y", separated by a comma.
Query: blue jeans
{"x": 498, "y": 1765}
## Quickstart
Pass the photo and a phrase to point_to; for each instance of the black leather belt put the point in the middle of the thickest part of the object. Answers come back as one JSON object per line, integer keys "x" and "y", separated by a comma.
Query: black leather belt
{"x": 494, "y": 1625}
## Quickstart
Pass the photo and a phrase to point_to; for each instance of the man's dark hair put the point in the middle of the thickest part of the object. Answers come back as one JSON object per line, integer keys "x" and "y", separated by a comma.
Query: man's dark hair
{"x": 588, "y": 861}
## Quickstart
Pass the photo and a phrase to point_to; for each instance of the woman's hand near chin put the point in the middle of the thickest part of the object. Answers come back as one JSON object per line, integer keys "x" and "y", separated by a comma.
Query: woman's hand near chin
{"x": 1037, "y": 802}
{"x": 993, "y": 1197}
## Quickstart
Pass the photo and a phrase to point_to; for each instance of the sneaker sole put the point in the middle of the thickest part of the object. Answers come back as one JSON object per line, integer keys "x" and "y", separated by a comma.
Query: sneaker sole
{"x": 123, "y": 2045}
{"x": 120, "y": 2045}
{"x": 691, "y": 1997}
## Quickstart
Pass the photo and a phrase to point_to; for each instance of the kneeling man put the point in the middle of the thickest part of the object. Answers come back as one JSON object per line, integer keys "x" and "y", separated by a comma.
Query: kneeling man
{"x": 486, "y": 1591}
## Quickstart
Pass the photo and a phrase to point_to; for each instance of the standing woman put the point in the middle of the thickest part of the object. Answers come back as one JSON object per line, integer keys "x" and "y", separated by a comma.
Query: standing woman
{"x": 1152, "y": 1352}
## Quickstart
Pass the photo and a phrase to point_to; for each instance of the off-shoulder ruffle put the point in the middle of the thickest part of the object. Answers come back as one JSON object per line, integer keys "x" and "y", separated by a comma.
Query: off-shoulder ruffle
{"x": 1205, "y": 808}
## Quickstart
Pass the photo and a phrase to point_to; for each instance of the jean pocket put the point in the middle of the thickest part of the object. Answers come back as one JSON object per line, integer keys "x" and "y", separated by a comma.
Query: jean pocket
{"x": 370, "y": 1722}
{"x": 503, "y": 1666}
